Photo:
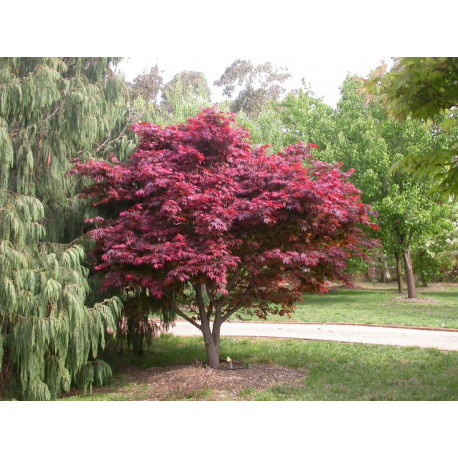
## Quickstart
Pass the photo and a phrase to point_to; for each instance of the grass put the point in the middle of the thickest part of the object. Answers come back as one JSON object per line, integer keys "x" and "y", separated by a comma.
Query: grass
{"x": 378, "y": 305}
{"x": 335, "y": 371}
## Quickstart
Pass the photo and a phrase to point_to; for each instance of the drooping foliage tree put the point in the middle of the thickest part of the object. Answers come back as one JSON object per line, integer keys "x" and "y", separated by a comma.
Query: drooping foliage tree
{"x": 51, "y": 109}
{"x": 212, "y": 226}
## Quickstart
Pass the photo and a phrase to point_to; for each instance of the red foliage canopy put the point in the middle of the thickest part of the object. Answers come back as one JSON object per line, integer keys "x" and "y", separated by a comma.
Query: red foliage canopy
{"x": 205, "y": 207}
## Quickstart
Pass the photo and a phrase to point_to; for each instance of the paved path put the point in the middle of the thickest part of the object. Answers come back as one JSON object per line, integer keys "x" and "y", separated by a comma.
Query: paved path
{"x": 443, "y": 340}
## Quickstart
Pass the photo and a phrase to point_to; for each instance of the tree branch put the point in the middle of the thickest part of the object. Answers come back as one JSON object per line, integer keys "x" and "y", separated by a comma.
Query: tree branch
{"x": 186, "y": 317}
{"x": 242, "y": 304}
{"x": 108, "y": 139}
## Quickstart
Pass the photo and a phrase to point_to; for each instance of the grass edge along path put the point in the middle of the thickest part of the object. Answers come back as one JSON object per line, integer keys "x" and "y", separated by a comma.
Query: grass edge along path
{"x": 379, "y": 305}
{"x": 333, "y": 371}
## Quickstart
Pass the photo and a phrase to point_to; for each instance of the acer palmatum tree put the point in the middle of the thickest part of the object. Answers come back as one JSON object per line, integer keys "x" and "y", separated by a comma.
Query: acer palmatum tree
{"x": 212, "y": 226}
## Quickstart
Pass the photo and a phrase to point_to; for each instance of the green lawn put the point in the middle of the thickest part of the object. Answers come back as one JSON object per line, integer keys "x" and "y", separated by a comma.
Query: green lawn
{"x": 332, "y": 371}
{"x": 437, "y": 307}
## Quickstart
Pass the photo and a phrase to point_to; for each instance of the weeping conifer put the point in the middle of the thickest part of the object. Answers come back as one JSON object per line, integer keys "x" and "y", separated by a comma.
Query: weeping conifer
{"x": 51, "y": 329}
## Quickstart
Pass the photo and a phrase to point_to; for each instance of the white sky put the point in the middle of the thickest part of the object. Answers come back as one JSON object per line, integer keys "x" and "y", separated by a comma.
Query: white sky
{"x": 324, "y": 75}
{"x": 320, "y": 41}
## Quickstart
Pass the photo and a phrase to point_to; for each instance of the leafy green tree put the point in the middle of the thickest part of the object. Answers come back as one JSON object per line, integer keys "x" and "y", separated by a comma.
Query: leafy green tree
{"x": 185, "y": 85}
{"x": 410, "y": 214}
{"x": 265, "y": 129}
{"x": 52, "y": 110}
{"x": 373, "y": 142}
{"x": 433, "y": 252}
{"x": 180, "y": 98}
{"x": 425, "y": 88}
{"x": 307, "y": 118}
{"x": 410, "y": 221}
{"x": 447, "y": 254}
{"x": 359, "y": 142}
{"x": 361, "y": 134}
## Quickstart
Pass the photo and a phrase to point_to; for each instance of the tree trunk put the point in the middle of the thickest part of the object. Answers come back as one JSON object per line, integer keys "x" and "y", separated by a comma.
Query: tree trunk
{"x": 212, "y": 342}
{"x": 212, "y": 348}
{"x": 211, "y": 337}
{"x": 411, "y": 290}
{"x": 423, "y": 279}
{"x": 422, "y": 272}
{"x": 385, "y": 274}
{"x": 370, "y": 273}
{"x": 398, "y": 271}
{"x": 212, "y": 334}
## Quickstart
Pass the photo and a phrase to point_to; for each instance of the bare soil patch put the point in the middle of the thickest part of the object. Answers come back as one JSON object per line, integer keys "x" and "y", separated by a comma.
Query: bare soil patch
{"x": 378, "y": 286}
{"x": 360, "y": 286}
{"x": 437, "y": 287}
{"x": 198, "y": 382}
{"x": 418, "y": 300}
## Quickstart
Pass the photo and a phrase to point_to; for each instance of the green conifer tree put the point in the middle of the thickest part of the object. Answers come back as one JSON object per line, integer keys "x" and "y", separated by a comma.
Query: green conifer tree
{"x": 51, "y": 111}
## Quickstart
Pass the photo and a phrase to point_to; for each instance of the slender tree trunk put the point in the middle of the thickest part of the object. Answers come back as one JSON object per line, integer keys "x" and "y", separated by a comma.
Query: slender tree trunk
{"x": 422, "y": 271}
{"x": 411, "y": 290}
{"x": 398, "y": 271}
{"x": 370, "y": 273}
{"x": 212, "y": 348}
{"x": 385, "y": 272}
{"x": 211, "y": 337}
{"x": 423, "y": 278}
{"x": 212, "y": 334}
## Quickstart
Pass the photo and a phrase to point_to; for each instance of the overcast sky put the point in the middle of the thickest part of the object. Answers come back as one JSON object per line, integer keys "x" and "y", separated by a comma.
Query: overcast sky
{"x": 320, "y": 41}
{"x": 324, "y": 74}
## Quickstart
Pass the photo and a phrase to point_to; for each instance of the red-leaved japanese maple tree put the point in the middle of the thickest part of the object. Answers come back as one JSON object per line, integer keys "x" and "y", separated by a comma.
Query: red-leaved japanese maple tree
{"x": 213, "y": 225}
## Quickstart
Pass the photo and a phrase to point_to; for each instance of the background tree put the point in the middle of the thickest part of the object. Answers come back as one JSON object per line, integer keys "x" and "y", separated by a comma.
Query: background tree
{"x": 190, "y": 83}
{"x": 148, "y": 85}
{"x": 180, "y": 98}
{"x": 184, "y": 87}
{"x": 409, "y": 221}
{"x": 425, "y": 88}
{"x": 51, "y": 109}
{"x": 253, "y": 87}
{"x": 361, "y": 135}
{"x": 265, "y": 129}
{"x": 430, "y": 252}
{"x": 308, "y": 119}
{"x": 212, "y": 226}
{"x": 374, "y": 142}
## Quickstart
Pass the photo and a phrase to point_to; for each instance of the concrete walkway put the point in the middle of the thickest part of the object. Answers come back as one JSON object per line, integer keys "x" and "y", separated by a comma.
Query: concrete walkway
{"x": 443, "y": 340}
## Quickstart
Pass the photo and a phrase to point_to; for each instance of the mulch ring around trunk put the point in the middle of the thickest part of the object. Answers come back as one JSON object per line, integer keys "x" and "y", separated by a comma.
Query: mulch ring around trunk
{"x": 196, "y": 381}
